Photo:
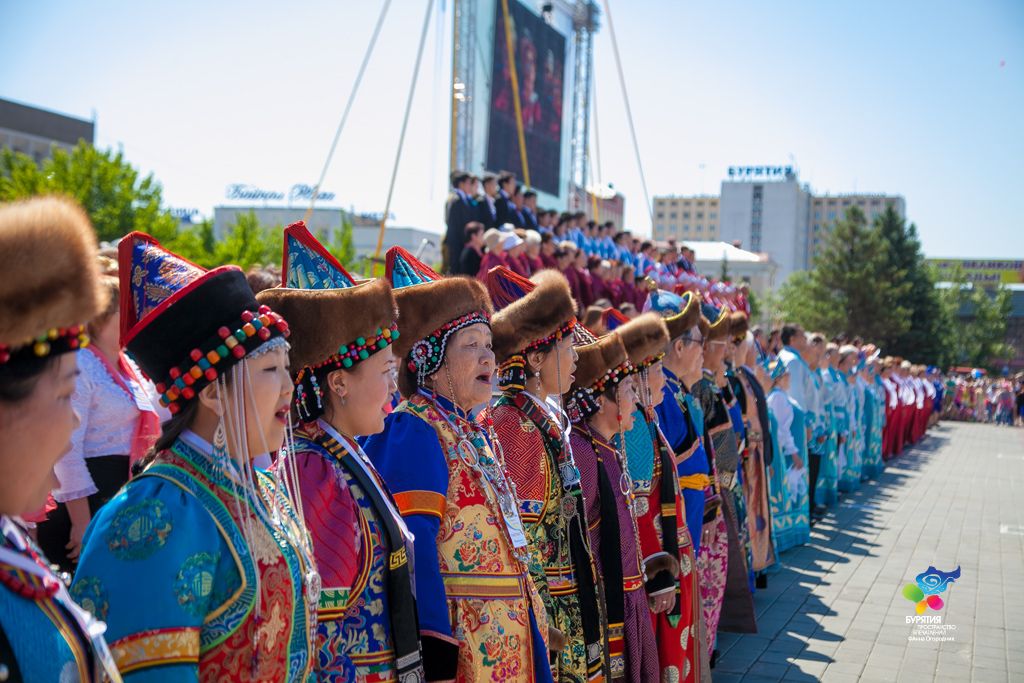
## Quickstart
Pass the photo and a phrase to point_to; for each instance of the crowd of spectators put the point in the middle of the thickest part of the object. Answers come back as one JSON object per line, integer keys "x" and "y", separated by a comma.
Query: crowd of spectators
{"x": 493, "y": 221}
{"x": 972, "y": 397}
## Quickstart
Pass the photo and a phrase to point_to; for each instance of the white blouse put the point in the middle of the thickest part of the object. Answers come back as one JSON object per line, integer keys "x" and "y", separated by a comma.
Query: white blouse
{"x": 109, "y": 418}
{"x": 778, "y": 403}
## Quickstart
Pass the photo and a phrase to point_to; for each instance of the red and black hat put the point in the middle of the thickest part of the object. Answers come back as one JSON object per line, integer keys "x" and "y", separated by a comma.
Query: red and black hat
{"x": 184, "y": 325}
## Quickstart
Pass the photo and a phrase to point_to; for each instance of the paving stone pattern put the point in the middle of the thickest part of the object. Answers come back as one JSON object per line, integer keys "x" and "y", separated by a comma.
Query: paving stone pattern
{"x": 834, "y": 610}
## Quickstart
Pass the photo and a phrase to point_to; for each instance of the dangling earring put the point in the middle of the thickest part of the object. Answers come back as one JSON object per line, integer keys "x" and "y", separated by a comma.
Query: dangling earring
{"x": 220, "y": 444}
{"x": 316, "y": 392}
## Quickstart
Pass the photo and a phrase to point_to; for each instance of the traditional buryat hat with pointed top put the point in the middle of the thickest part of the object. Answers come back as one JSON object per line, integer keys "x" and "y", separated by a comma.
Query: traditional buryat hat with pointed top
{"x": 613, "y": 318}
{"x": 505, "y": 286}
{"x": 306, "y": 264}
{"x": 335, "y": 323}
{"x": 718, "y": 323}
{"x": 50, "y": 286}
{"x": 680, "y": 311}
{"x": 645, "y": 338}
{"x": 184, "y": 325}
{"x": 543, "y": 313}
{"x": 738, "y": 325}
{"x": 601, "y": 365}
{"x": 433, "y": 309}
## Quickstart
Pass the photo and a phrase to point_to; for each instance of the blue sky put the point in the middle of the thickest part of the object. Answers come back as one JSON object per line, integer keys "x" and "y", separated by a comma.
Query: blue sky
{"x": 924, "y": 99}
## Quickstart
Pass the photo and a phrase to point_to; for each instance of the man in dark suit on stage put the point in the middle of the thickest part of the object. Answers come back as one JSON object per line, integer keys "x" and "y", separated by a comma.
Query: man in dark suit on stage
{"x": 503, "y": 203}
{"x": 487, "y": 203}
{"x": 461, "y": 209}
{"x": 529, "y": 211}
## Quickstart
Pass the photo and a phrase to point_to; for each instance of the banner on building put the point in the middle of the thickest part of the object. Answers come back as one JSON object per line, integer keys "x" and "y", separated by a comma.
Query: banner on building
{"x": 982, "y": 271}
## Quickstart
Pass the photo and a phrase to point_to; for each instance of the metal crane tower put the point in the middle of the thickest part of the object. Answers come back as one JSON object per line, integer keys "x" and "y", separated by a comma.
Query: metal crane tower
{"x": 585, "y": 15}
{"x": 471, "y": 68}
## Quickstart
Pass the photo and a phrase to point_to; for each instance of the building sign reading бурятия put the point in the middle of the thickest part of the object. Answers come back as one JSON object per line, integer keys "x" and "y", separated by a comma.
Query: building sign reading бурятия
{"x": 760, "y": 171}
{"x": 299, "y": 191}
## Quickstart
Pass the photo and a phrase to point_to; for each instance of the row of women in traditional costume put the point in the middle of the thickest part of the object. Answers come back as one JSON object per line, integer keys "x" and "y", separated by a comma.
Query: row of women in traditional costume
{"x": 853, "y": 400}
{"x": 207, "y": 567}
{"x": 910, "y": 403}
{"x": 603, "y": 519}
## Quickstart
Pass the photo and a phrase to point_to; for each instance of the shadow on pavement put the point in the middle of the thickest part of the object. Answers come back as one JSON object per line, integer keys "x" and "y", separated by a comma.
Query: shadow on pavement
{"x": 788, "y": 611}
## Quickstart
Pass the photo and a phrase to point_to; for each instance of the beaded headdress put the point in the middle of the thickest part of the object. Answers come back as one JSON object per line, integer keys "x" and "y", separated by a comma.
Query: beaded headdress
{"x": 433, "y": 309}
{"x": 645, "y": 338}
{"x": 602, "y": 364}
{"x": 183, "y": 325}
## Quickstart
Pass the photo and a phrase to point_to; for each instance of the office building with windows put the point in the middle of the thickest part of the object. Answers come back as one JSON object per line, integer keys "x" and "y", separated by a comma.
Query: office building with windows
{"x": 767, "y": 210}
{"x": 692, "y": 218}
{"x": 769, "y": 217}
{"x": 827, "y": 209}
{"x": 35, "y": 131}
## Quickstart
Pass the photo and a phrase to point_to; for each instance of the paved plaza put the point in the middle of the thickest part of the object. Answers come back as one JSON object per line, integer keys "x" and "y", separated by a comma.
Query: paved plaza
{"x": 835, "y": 610}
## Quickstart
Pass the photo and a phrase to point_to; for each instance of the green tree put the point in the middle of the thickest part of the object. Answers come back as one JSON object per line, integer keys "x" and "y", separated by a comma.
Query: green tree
{"x": 248, "y": 243}
{"x": 754, "y": 301}
{"x": 724, "y": 273}
{"x": 974, "y": 321}
{"x": 196, "y": 243}
{"x": 117, "y": 198}
{"x": 342, "y": 245}
{"x": 851, "y": 287}
{"x": 922, "y": 340}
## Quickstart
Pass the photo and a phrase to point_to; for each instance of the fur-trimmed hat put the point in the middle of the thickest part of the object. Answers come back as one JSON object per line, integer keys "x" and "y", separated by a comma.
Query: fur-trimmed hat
{"x": 680, "y": 311}
{"x": 432, "y": 309}
{"x": 738, "y": 325}
{"x": 335, "y": 323}
{"x": 335, "y": 328}
{"x": 687, "y": 318}
{"x": 325, "y": 321}
{"x": 544, "y": 311}
{"x": 50, "y": 285}
{"x": 704, "y": 326}
{"x": 719, "y": 327}
{"x": 645, "y": 338}
{"x": 601, "y": 364}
